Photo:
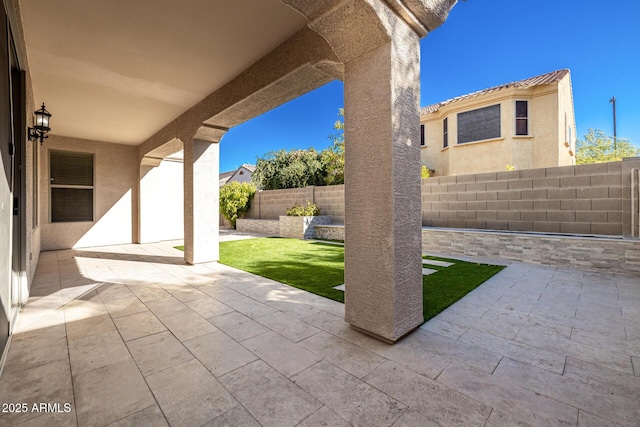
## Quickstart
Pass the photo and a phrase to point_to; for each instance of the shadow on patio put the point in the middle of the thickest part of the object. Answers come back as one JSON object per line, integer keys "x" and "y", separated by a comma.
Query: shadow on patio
{"x": 131, "y": 335}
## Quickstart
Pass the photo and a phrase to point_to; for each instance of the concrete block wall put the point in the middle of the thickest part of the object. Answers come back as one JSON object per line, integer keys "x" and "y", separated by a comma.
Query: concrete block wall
{"x": 330, "y": 199}
{"x": 583, "y": 199}
{"x": 270, "y": 204}
{"x": 631, "y": 195}
{"x": 598, "y": 199}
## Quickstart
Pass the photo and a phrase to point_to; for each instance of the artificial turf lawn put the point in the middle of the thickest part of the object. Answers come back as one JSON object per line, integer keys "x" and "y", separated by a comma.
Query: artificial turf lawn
{"x": 449, "y": 284}
{"x": 317, "y": 267}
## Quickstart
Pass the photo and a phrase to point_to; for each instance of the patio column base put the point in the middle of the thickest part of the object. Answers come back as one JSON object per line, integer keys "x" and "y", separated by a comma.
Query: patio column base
{"x": 380, "y": 337}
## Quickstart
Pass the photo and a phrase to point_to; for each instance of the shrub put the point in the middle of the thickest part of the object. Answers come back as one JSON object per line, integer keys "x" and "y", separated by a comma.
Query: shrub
{"x": 310, "y": 210}
{"x": 235, "y": 200}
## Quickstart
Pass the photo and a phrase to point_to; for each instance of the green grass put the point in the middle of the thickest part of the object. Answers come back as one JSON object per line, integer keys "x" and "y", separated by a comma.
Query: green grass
{"x": 317, "y": 267}
{"x": 313, "y": 266}
{"x": 450, "y": 284}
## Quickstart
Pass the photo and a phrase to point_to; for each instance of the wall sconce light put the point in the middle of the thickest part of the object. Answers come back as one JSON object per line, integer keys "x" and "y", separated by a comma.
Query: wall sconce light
{"x": 41, "y": 128}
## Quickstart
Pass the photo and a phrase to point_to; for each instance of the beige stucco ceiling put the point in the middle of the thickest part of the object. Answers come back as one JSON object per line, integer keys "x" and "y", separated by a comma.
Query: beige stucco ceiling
{"x": 119, "y": 70}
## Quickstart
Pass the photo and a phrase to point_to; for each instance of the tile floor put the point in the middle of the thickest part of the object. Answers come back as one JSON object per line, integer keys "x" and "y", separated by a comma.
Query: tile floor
{"x": 130, "y": 335}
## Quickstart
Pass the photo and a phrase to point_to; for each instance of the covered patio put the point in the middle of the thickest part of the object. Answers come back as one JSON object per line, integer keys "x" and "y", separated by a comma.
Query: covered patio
{"x": 133, "y": 335}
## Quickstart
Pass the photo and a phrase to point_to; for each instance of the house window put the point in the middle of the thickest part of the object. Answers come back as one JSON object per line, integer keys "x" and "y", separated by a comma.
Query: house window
{"x": 445, "y": 133}
{"x": 522, "y": 117}
{"x": 71, "y": 184}
{"x": 480, "y": 124}
{"x": 422, "y": 135}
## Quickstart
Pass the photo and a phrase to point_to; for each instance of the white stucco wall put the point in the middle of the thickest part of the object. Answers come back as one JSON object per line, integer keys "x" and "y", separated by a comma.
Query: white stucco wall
{"x": 161, "y": 202}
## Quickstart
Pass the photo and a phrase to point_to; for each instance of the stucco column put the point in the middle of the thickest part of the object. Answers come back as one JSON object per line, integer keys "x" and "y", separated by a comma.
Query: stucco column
{"x": 383, "y": 271}
{"x": 201, "y": 200}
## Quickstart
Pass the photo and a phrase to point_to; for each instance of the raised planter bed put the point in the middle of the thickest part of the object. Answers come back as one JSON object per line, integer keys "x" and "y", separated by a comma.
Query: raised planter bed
{"x": 301, "y": 227}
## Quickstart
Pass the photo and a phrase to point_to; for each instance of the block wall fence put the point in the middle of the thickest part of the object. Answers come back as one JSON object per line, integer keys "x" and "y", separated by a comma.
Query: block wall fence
{"x": 270, "y": 204}
{"x": 599, "y": 199}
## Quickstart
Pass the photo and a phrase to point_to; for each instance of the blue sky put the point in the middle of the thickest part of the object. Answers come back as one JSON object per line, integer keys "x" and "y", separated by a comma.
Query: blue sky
{"x": 486, "y": 43}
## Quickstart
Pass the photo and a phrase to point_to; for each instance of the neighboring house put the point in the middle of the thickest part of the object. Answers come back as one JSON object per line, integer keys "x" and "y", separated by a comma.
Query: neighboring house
{"x": 524, "y": 124}
{"x": 242, "y": 174}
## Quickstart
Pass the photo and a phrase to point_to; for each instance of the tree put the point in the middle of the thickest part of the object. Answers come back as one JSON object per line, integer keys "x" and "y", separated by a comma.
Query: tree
{"x": 333, "y": 157}
{"x": 289, "y": 169}
{"x": 598, "y": 148}
{"x": 235, "y": 200}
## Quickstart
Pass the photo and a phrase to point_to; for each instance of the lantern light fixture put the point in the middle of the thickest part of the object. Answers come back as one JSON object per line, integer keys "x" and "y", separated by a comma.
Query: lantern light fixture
{"x": 41, "y": 127}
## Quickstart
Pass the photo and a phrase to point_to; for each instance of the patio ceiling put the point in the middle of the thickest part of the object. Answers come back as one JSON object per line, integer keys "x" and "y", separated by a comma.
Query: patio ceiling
{"x": 119, "y": 70}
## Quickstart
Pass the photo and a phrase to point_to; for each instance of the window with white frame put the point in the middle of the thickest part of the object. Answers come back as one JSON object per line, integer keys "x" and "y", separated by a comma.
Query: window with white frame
{"x": 71, "y": 186}
{"x": 445, "y": 133}
{"x": 522, "y": 118}
{"x": 480, "y": 124}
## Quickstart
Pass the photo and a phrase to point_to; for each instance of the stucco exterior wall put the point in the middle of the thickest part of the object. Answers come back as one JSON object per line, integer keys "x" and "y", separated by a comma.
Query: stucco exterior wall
{"x": 162, "y": 202}
{"x": 543, "y": 147}
{"x": 115, "y": 176}
{"x": 566, "y": 124}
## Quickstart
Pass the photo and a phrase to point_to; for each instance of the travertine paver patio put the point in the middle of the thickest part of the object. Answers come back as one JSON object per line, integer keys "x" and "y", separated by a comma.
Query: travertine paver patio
{"x": 130, "y": 335}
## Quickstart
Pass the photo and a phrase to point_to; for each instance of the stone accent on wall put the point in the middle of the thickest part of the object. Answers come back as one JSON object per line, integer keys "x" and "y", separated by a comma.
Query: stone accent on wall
{"x": 616, "y": 255}
{"x": 329, "y": 232}
{"x": 261, "y": 226}
{"x": 301, "y": 227}
{"x": 582, "y": 253}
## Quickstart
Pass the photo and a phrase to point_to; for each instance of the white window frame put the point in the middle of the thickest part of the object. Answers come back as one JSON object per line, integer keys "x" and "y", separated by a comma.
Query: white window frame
{"x": 445, "y": 133}
{"x": 515, "y": 117}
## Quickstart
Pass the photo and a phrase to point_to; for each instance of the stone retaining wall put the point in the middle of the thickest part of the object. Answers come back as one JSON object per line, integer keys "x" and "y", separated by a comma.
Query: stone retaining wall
{"x": 301, "y": 227}
{"x": 329, "y": 232}
{"x": 583, "y": 253}
{"x": 262, "y": 226}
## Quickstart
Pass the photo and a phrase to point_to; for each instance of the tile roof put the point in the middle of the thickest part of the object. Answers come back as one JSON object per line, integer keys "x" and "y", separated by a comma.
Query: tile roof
{"x": 250, "y": 168}
{"x": 540, "y": 80}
